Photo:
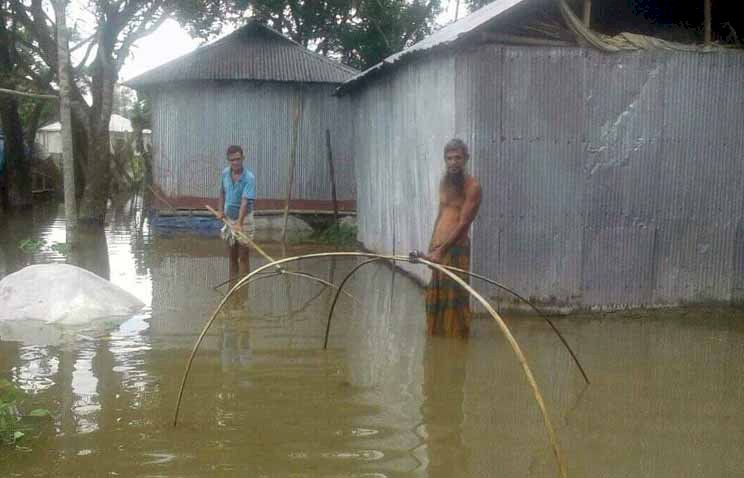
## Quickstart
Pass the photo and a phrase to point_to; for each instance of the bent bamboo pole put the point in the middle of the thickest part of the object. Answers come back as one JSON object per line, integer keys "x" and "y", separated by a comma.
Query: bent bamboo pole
{"x": 537, "y": 311}
{"x": 517, "y": 351}
{"x": 502, "y": 325}
{"x": 245, "y": 280}
{"x": 472, "y": 274}
{"x": 245, "y": 240}
{"x": 322, "y": 281}
{"x": 335, "y": 297}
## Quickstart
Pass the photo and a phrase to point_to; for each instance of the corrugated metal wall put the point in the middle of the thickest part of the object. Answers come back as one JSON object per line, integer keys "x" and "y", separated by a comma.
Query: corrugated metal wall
{"x": 609, "y": 180}
{"x": 193, "y": 125}
{"x": 399, "y": 125}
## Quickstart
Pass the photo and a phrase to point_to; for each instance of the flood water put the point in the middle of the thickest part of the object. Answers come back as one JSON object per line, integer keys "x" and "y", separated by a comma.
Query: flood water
{"x": 264, "y": 399}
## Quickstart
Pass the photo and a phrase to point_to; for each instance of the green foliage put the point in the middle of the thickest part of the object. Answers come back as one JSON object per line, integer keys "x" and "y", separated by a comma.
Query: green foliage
{"x": 61, "y": 248}
{"x": 12, "y": 425}
{"x": 31, "y": 246}
{"x": 339, "y": 234}
{"x": 360, "y": 33}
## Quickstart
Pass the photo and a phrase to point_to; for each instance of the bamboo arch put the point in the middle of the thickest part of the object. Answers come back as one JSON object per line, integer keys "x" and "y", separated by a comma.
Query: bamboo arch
{"x": 471, "y": 274}
{"x": 414, "y": 260}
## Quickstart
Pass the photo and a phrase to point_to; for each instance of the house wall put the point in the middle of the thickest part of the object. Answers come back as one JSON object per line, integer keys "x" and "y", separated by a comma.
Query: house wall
{"x": 400, "y": 125}
{"x": 193, "y": 124}
{"x": 609, "y": 180}
{"x": 51, "y": 141}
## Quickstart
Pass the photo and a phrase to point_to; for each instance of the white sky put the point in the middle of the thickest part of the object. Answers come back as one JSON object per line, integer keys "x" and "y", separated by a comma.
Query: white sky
{"x": 171, "y": 41}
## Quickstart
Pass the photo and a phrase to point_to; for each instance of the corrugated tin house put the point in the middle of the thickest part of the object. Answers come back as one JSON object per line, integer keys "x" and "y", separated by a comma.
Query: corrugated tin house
{"x": 611, "y": 166}
{"x": 261, "y": 90}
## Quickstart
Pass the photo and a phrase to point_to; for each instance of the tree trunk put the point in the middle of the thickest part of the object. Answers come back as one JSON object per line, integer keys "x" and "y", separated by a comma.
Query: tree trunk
{"x": 17, "y": 191}
{"x": 80, "y": 148}
{"x": 97, "y": 177}
{"x": 68, "y": 161}
{"x": 98, "y": 169}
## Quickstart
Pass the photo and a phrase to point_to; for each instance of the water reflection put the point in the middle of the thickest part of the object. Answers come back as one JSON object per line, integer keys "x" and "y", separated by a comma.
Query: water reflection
{"x": 383, "y": 401}
{"x": 92, "y": 253}
{"x": 16, "y": 226}
{"x": 84, "y": 386}
{"x": 445, "y": 370}
{"x": 236, "y": 349}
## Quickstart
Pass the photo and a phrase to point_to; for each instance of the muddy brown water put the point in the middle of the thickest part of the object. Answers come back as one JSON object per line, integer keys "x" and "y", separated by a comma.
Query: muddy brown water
{"x": 264, "y": 399}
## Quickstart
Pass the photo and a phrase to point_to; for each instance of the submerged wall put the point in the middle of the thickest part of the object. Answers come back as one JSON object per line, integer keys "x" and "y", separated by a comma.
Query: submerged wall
{"x": 609, "y": 180}
{"x": 194, "y": 123}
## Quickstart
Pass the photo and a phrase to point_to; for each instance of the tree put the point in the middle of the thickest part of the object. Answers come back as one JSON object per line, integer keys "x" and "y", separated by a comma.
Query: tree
{"x": 118, "y": 25}
{"x": 17, "y": 188}
{"x": 360, "y": 33}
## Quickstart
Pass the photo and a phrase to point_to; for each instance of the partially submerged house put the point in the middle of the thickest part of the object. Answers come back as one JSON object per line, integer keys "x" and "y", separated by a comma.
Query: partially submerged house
{"x": 611, "y": 167}
{"x": 261, "y": 90}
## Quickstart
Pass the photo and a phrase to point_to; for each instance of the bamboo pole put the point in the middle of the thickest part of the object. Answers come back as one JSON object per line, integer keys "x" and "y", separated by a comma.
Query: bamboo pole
{"x": 333, "y": 176}
{"x": 242, "y": 238}
{"x": 587, "y": 17}
{"x": 477, "y": 276}
{"x": 707, "y": 21}
{"x": 534, "y": 307}
{"x": 502, "y": 325}
{"x": 246, "y": 241}
{"x": 335, "y": 297}
{"x": 292, "y": 162}
{"x": 65, "y": 112}
{"x": 518, "y": 352}
{"x": 6, "y": 91}
{"x": 162, "y": 198}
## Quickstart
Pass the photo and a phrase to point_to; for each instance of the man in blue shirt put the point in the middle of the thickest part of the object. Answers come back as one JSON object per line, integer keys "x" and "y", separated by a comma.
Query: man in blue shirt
{"x": 237, "y": 198}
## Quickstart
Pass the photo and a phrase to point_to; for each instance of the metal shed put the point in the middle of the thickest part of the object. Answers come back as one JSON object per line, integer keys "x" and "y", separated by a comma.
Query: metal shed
{"x": 611, "y": 166}
{"x": 261, "y": 90}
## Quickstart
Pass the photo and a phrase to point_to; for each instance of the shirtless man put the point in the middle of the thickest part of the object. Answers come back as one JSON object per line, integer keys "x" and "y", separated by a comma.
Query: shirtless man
{"x": 447, "y": 303}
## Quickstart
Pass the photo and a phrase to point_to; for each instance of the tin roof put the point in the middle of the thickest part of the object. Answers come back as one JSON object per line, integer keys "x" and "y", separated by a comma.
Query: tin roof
{"x": 253, "y": 52}
{"x": 447, "y": 35}
{"x": 485, "y": 17}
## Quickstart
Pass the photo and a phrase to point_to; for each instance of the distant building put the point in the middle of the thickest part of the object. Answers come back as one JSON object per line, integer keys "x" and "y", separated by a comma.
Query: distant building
{"x": 49, "y": 137}
{"x": 261, "y": 90}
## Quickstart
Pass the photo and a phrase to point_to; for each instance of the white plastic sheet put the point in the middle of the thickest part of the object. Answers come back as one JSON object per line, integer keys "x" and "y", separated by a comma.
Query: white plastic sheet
{"x": 62, "y": 294}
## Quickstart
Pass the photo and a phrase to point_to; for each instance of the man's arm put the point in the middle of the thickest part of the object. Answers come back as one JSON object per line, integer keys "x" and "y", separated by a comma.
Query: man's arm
{"x": 246, "y": 206}
{"x": 247, "y": 199}
{"x": 467, "y": 216}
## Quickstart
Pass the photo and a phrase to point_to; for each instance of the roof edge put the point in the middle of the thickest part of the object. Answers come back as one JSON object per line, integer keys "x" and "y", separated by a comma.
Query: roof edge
{"x": 140, "y": 81}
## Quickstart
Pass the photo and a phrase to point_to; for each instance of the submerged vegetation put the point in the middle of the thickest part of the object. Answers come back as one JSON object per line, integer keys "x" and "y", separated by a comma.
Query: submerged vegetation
{"x": 340, "y": 234}
{"x": 14, "y": 424}
{"x": 32, "y": 246}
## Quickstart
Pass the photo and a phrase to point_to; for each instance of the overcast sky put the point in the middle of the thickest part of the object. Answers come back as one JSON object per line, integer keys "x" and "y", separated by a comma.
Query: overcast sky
{"x": 171, "y": 41}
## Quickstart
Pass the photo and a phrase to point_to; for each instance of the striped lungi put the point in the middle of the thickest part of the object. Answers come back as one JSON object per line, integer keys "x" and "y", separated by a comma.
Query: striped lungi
{"x": 447, "y": 302}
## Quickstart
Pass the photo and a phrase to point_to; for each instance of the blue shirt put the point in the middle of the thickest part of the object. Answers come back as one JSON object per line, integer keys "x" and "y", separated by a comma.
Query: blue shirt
{"x": 244, "y": 187}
